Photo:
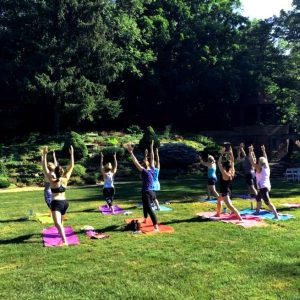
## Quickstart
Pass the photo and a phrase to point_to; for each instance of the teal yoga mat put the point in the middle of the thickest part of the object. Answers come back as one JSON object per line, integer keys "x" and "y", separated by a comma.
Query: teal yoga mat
{"x": 265, "y": 214}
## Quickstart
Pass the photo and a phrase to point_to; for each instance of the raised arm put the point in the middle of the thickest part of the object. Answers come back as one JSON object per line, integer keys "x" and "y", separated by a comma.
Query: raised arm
{"x": 297, "y": 143}
{"x": 101, "y": 162}
{"x": 263, "y": 149}
{"x": 204, "y": 163}
{"x": 222, "y": 170}
{"x": 114, "y": 170}
{"x": 241, "y": 151}
{"x": 54, "y": 159}
{"x": 134, "y": 160}
{"x": 71, "y": 164}
{"x": 157, "y": 159}
{"x": 152, "y": 155}
{"x": 253, "y": 158}
{"x": 46, "y": 172}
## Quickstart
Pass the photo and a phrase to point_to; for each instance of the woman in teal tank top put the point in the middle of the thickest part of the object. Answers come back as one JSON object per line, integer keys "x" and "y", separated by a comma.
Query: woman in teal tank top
{"x": 211, "y": 176}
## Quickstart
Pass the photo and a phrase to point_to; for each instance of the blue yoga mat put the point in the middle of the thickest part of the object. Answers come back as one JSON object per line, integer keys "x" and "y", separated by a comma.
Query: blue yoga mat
{"x": 212, "y": 200}
{"x": 162, "y": 207}
{"x": 243, "y": 196}
{"x": 265, "y": 214}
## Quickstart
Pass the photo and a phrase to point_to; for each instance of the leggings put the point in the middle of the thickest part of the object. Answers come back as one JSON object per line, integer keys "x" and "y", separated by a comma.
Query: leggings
{"x": 48, "y": 194}
{"x": 108, "y": 194}
{"x": 148, "y": 197}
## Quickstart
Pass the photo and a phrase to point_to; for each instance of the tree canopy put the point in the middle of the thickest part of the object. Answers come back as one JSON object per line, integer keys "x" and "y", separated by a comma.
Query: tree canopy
{"x": 74, "y": 64}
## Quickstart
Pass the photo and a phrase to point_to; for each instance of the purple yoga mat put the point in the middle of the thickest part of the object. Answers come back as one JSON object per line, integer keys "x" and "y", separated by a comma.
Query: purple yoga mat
{"x": 106, "y": 211}
{"x": 52, "y": 238}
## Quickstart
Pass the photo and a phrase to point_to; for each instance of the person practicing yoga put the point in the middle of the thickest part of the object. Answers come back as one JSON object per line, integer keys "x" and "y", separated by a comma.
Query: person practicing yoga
{"x": 249, "y": 171}
{"x": 262, "y": 169}
{"x": 211, "y": 176}
{"x": 147, "y": 173}
{"x": 227, "y": 174}
{"x": 156, "y": 184}
{"x": 58, "y": 185}
{"x": 108, "y": 172}
{"x": 47, "y": 190}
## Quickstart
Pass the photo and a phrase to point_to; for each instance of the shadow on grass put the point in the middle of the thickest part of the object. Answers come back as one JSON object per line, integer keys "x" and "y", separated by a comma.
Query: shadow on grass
{"x": 111, "y": 228}
{"x": 19, "y": 240}
{"x": 285, "y": 269}
{"x": 23, "y": 219}
{"x": 190, "y": 220}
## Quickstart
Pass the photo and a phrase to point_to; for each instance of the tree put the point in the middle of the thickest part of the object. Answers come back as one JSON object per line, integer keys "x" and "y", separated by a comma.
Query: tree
{"x": 63, "y": 56}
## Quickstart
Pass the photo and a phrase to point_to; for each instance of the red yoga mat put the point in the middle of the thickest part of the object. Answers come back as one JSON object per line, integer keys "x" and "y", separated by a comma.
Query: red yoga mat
{"x": 148, "y": 226}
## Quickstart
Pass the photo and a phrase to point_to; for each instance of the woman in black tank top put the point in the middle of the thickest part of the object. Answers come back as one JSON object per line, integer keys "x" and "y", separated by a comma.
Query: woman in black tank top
{"x": 59, "y": 204}
{"x": 227, "y": 174}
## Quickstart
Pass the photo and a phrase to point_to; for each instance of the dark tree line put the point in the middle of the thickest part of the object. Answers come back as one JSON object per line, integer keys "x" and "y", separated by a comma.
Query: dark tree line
{"x": 80, "y": 64}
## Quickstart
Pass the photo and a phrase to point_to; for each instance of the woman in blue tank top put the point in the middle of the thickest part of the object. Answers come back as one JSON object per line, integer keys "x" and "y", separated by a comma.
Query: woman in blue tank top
{"x": 211, "y": 176}
{"x": 147, "y": 173}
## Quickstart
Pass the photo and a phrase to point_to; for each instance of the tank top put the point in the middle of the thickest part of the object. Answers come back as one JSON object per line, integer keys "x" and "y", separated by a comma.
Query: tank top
{"x": 263, "y": 178}
{"x": 225, "y": 185}
{"x": 108, "y": 180}
{"x": 211, "y": 171}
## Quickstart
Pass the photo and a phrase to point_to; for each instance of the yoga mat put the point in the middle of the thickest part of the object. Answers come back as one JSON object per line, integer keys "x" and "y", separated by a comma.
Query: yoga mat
{"x": 44, "y": 219}
{"x": 148, "y": 226}
{"x": 265, "y": 214}
{"x": 291, "y": 205}
{"x": 212, "y": 200}
{"x": 106, "y": 211}
{"x": 248, "y": 220}
{"x": 51, "y": 237}
{"x": 162, "y": 207}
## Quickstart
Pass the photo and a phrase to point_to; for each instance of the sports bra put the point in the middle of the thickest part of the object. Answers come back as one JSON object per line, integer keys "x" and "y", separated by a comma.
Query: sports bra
{"x": 60, "y": 189}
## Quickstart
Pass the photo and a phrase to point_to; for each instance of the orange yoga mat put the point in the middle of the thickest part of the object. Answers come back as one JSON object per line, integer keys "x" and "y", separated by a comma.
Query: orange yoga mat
{"x": 148, "y": 226}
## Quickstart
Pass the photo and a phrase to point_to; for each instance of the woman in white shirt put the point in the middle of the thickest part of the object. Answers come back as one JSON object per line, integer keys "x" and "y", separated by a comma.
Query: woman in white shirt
{"x": 108, "y": 172}
{"x": 262, "y": 173}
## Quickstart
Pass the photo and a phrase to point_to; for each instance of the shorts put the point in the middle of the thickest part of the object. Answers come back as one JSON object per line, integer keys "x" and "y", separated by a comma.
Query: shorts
{"x": 263, "y": 194}
{"x": 59, "y": 205}
{"x": 250, "y": 179}
{"x": 211, "y": 181}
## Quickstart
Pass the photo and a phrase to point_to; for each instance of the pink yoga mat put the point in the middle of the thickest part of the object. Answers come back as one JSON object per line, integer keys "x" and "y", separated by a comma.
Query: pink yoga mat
{"x": 248, "y": 220}
{"x": 106, "y": 211}
{"x": 291, "y": 205}
{"x": 52, "y": 238}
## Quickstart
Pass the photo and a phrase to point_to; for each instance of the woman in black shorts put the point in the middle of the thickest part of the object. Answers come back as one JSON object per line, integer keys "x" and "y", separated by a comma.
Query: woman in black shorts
{"x": 58, "y": 185}
{"x": 227, "y": 174}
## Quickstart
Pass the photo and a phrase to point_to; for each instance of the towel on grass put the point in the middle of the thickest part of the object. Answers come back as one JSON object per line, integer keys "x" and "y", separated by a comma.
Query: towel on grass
{"x": 106, "y": 211}
{"x": 52, "y": 238}
{"x": 248, "y": 220}
{"x": 148, "y": 226}
{"x": 265, "y": 214}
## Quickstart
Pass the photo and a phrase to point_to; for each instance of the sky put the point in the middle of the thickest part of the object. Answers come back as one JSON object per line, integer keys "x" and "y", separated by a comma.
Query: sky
{"x": 262, "y": 9}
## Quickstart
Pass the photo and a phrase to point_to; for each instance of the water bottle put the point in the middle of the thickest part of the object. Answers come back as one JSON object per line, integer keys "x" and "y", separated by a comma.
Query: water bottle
{"x": 30, "y": 213}
{"x": 224, "y": 210}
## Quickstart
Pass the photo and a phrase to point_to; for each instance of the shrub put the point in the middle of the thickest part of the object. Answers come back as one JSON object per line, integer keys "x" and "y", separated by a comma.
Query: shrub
{"x": 4, "y": 182}
{"x": 134, "y": 129}
{"x": 80, "y": 149}
{"x": 90, "y": 178}
{"x": 112, "y": 141}
{"x": 3, "y": 170}
{"x": 108, "y": 152}
{"x": 167, "y": 132}
{"x": 149, "y": 135}
{"x": 78, "y": 170}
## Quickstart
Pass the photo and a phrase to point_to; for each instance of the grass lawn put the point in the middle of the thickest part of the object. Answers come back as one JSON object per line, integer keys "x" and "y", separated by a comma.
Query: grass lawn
{"x": 200, "y": 260}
